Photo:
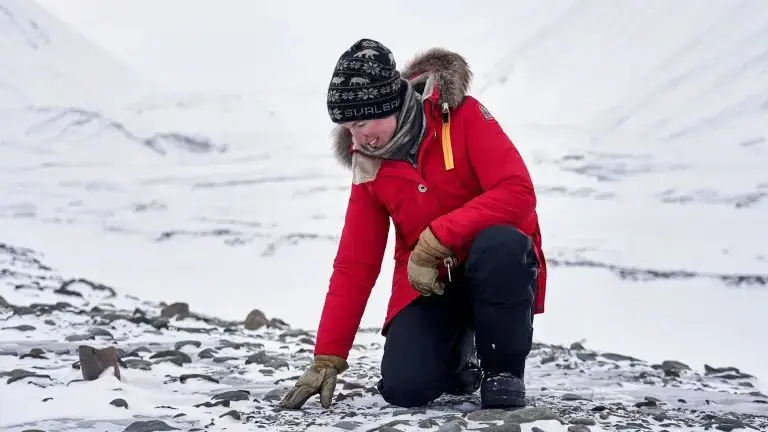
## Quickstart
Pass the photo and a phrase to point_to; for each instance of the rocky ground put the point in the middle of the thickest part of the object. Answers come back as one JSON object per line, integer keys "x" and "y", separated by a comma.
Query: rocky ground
{"x": 76, "y": 355}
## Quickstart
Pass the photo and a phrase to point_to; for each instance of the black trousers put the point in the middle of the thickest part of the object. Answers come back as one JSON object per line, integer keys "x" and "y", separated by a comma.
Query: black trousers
{"x": 491, "y": 293}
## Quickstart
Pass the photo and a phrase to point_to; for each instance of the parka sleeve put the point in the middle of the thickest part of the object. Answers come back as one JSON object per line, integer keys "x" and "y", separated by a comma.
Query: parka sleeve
{"x": 508, "y": 195}
{"x": 355, "y": 269}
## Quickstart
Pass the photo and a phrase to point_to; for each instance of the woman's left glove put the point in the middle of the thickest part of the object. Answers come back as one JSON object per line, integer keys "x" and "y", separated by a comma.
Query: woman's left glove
{"x": 318, "y": 379}
{"x": 424, "y": 262}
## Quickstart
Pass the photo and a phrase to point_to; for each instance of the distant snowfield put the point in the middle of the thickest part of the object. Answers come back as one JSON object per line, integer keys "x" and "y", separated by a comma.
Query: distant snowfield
{"x": 648, "y": 148}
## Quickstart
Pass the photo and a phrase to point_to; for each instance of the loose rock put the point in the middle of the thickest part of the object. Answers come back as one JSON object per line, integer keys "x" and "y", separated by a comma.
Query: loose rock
{"x": 95, "y": 361}
{"x": 181, "y": 356}
{"x": 183, "y": 378}
{"x": 149, "y": 426}
{"x": 255, "y": 320}
{"x": 235, "y": 414}
{"x": 181, "y": 344}
{"x": 20, "y": 374}
{"x": 120, "y": 403}
{"x": 35, "y": 353}
{"x": 21, "y": 328}
{"x": 263, "y": 358}
{"x": 532, "y": 414}
{"x": 179, "y": 310}
{"x": 234, "y": 395}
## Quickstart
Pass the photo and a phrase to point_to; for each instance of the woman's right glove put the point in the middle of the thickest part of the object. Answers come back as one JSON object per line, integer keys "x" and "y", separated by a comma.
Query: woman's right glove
{"x": 423, "y": 264}
{"x": 320, "y": 379}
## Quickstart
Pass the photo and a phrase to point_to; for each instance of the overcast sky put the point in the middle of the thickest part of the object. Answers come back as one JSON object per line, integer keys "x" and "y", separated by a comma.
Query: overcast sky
{"x": 229, "y": 45}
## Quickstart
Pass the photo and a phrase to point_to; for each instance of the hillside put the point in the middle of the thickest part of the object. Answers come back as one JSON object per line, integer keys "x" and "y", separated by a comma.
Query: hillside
{"x": 46, "y": 62}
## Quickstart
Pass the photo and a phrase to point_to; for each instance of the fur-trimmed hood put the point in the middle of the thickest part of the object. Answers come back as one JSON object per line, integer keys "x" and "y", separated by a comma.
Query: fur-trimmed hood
{"x": 436, "y": 69}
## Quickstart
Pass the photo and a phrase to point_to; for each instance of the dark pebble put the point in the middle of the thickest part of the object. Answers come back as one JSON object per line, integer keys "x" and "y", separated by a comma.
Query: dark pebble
{"x": 184, "y": 377}
{"x": 232, "y": 395}
{"x": 231, "y": 413}
{"x": 149, "y": 426}
{"x": 22, "y": 328}
{"x": 181, "y": 344}
{"x": 120, "y": 403}
{"x": 183, "y": 357}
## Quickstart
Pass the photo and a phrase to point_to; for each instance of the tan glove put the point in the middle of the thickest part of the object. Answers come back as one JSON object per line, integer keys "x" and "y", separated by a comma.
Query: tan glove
{"x": 320, "y": 379}
{"x": 423, "y": 264}
{"x": 424, "y": 279}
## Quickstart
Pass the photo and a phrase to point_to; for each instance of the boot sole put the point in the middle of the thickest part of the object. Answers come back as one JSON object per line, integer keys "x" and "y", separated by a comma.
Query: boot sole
{"x": 510, "y": 400}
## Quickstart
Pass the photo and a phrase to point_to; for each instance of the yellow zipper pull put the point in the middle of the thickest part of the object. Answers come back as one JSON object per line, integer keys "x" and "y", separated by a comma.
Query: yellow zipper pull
{"x": 447, "y": 148}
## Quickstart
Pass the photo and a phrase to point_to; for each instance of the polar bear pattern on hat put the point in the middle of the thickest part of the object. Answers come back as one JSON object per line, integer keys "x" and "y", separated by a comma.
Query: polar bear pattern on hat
{"x": 365, "y": 83}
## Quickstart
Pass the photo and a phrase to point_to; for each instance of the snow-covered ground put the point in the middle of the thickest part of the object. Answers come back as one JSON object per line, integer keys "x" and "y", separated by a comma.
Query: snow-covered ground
{"x": 645, "y": 126}
{"x": 169, "y": 367}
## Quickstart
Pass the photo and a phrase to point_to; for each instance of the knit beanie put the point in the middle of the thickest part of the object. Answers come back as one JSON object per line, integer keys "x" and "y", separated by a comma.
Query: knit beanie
{"x": 365, "y": 84}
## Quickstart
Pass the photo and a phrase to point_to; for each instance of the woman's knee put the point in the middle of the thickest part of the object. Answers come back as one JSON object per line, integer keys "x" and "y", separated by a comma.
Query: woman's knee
{"x": 409, "y": 391}
{"x": 411, "y": 371}
{"x": 416, "y": 352}
{"x": 504, "y": 239}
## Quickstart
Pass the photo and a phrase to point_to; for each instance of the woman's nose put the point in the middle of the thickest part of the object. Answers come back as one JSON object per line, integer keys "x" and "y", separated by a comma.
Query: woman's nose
{"x": 359, "y": 138}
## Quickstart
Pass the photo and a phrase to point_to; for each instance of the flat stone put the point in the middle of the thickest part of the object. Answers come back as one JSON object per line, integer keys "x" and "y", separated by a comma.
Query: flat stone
{"x": 531, "y": 414}
{"x": 149, "y": 426}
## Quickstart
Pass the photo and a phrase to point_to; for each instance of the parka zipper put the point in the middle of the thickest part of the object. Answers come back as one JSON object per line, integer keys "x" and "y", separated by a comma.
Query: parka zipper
{"x": 447, "y": 147}
{"x": 448, "y": 262}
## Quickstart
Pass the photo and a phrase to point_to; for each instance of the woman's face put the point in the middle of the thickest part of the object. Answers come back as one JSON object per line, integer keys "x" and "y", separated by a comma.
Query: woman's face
{"x": 376, "y": 133}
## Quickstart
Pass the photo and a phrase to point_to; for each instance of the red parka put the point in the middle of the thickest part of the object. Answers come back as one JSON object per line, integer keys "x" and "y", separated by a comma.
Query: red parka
{"x": 468, "y": 176}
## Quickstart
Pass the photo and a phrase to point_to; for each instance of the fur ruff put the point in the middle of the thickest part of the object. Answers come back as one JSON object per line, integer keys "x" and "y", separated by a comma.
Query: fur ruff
{"x": 436, "y": 68}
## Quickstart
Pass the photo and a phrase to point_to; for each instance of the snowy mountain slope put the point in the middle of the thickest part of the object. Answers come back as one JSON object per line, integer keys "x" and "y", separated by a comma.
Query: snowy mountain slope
{"x": 47, "y": 62}
{"x": 175, "y": 369}
{"x": 620, "y": 66}
{"x": 62, "y": 135}
{"x": 644, "y": 103}
{"x": 682, "y": 88}
{"x": 60, "y": 94}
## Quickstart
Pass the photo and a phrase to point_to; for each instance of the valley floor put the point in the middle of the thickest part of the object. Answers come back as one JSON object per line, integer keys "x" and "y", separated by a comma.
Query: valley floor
{"x": 180, "y": 370}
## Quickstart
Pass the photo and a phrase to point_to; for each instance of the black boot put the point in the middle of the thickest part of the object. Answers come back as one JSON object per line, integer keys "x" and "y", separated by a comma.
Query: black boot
{"x": 502, "y": 390}
{"x": 468, "y": 375}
